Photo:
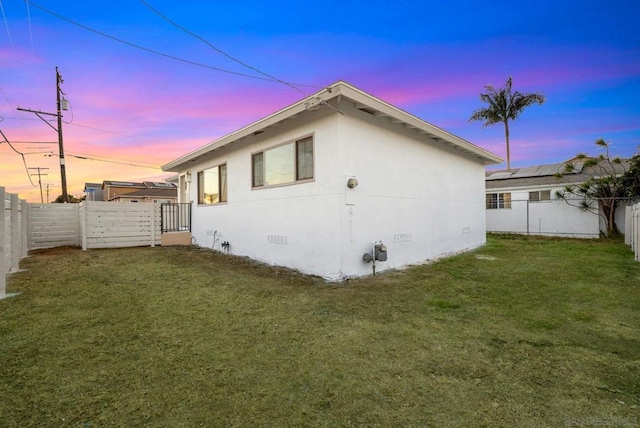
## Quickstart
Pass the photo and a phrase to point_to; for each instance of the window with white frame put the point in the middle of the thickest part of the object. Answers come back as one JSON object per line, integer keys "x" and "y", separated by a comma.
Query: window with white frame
{"x": 498, "y": 201}
{"x": 283, "y": 164}
{"x": 212, "y": 185}
{"x": 540, "y": 195}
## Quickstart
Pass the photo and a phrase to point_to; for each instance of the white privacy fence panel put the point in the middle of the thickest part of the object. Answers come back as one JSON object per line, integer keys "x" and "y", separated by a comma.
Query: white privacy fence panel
{"x": 92, "y": 224}
{"x": 12, "y": 235}
{"x": 632, "y": 223}
{"x": 53, "y": 225}
{"x": 115, "y": 225}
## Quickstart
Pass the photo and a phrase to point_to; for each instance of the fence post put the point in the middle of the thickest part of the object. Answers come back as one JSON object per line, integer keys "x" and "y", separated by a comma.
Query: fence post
{"x": 16, "y": 239}
{"x": 528, "y": 219}
{"x": 627, "y": 224}
{"x": 153, "y": 223}
{"x": 29, "y": 227}
{"x": 78, "y": 224}
{"x": 3, "y": 242}
{"x": 83, "y": 224}
{"x": 636, "y": 231}
{"x": 24, "y": 218}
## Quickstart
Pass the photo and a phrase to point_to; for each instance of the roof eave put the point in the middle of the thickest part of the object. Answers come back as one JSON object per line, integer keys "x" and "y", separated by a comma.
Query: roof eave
{"x": 255, "y": 127}
{"x": 364, "y": 100}
{"x": 361, "y": 99}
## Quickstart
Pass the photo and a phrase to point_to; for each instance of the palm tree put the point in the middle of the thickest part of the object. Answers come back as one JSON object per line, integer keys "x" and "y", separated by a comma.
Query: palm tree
{"x": 503, "y": 106}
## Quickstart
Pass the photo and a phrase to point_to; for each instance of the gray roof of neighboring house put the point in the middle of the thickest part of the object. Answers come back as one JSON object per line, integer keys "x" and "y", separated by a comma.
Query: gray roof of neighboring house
{"x": 150, "y": 193}
{"x": 545, "y": 175}
{"x": 143, "y": 185}
{"x": 123, "y": 184}
{"x": 92, "y": 186}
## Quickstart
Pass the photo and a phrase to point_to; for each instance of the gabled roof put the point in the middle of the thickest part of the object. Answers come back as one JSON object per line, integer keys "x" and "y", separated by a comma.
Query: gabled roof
{"x": 362, "y": 101}
{"x": 92, "y": 186}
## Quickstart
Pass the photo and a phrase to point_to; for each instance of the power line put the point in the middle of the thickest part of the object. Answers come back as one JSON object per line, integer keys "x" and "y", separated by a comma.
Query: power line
{"x": 24, "y": 161}
{"x": 6, "y": 24}
{"x": 217, "y": 49}
{"x": 67, "y": 123}
{"x": 4, "y": 94}
{"x": 98, "y": 129}
{"x": 154, "y": 51}
{"x": 21, "y": 118}
{"x": 29, "y": 20}
{"x": 100, "y": 157}
{"x": 34, "y": 142}
{"x": 108, "y": 161}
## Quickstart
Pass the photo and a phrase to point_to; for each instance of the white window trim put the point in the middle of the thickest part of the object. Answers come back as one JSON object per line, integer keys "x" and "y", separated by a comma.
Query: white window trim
{"x": 275, "y": 146}
{"x": 497, "y": 207}
{"x": 197, "y": 186}
{"x": 539, "y": 192}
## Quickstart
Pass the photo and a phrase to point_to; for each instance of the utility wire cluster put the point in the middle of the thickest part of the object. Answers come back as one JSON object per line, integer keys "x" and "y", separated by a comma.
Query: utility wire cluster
{"x": 263, "y": 75}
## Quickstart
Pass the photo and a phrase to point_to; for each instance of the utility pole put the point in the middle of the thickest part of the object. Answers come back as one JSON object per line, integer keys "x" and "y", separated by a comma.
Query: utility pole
{"x": 39, "y": 174}
{"x": 63, "y": 171}
{"x": 48, "y": 186}
{"x": 61, "y": 104}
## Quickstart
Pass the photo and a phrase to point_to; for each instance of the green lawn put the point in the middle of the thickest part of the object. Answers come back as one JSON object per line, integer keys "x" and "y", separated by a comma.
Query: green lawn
{"x": 523, "y": 332}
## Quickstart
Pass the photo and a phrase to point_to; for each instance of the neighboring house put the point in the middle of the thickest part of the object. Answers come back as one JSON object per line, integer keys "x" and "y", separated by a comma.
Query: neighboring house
{"x": 523, "y": 200}
{"x": 147, "y": 191}
{"x": 314, "y": 185}
{"x": 93, "y": 191}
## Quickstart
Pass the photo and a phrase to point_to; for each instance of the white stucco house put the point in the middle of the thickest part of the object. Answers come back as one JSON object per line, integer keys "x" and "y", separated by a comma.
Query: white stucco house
{"x": 523, "y": 201}
{"x": 316, "y": 184}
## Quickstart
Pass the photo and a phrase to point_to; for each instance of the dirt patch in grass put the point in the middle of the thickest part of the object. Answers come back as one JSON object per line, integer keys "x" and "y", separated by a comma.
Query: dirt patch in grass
{"x": 545, "y": 334}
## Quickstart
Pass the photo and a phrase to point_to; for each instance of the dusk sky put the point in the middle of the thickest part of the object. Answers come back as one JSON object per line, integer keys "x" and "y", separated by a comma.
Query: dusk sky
{"x": 145, "y": 91}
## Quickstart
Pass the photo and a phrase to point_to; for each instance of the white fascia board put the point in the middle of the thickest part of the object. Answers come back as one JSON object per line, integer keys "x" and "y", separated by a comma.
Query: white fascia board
{"x": 400, "y": 116}
{"x": 257, "y": 126}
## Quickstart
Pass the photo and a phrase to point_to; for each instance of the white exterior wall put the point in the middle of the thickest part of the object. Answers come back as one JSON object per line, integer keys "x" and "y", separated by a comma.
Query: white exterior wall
{"x": 422, "y": 201}
{"x": 293, "y": 225}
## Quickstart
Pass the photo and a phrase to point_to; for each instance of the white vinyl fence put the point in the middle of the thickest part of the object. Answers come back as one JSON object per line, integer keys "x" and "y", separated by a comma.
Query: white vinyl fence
{"x": 632, "y": 227}
{"x": 13, "y": 242}
{"x": 117, "y": 225}
{"x": 53, "y": 225}
{"x": 91, "y": 224}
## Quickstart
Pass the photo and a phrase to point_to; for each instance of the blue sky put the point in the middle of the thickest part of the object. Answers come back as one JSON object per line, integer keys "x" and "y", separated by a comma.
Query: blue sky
{"x": 429, "y": 58}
